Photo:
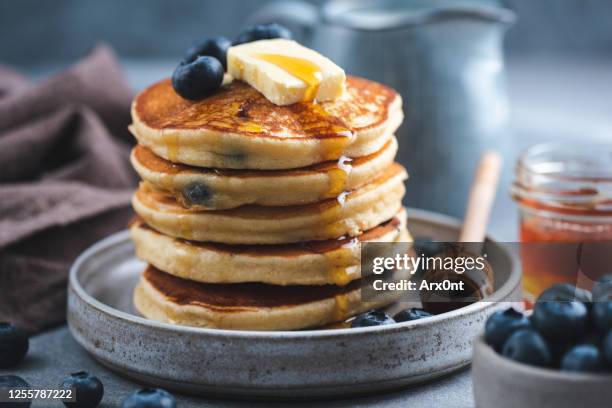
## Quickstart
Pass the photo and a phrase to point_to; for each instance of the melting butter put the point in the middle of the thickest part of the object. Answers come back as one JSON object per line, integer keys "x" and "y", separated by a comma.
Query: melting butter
{"x": 261, "y": 65}
{"x": 304, "y": 70}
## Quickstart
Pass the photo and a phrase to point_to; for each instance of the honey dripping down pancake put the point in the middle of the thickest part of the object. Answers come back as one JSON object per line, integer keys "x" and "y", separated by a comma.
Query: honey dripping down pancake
{"x": 237, "y": 128}
{"x": 250, "y": 306}
{"x": 202, "y": 189}
{"x": 222, "y": 251}
{"x": 334, "y": 261}
{"x": 348, "y": 214}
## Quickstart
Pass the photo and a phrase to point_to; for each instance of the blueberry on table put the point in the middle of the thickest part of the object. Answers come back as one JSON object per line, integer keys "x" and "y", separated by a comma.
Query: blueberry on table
{"x": 212, "y": 47}
{"x": 529, "y": 347}
{"x": 601, "y": 315}
{"x": 372, "y": 318}
{"x": 149, "y": 398}
{"x": 583, "y": 358}
{"x": 411, "y": 314}
{"x": 501, "y": 324}
{"x": 16, "y": 383}
{"x": 14, "y": 345}
{"x": 263, "y": 32}
{"x": 197, "y": 79}
{"x": 560, "y": 321}
{"x": 607, "y": 347}
{"x": 88, "y": 389}
{"x": 565, "y": 292}
{"x": 603, "y": 288}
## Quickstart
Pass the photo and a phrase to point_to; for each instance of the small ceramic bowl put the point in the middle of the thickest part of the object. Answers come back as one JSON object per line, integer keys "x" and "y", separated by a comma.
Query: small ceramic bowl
{"x": 502, "y": 383}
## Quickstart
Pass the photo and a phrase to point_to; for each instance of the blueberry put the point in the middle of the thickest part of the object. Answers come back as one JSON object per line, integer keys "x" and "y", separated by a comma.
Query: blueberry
{"x": 602, "y": 315}
{"x": 411, "y": 314}
{"x": 560, "y": 321}
{"x": 607, "y": 347}
{"x": 149, "y": 398}
{"x": 15, "y": 383}
{"x": 198, "y": 78}
{"x": 583, "y": 357}
{"x": 603, "y": 288}
{"x": 14, "y": 345}
{"x": 197, "y": 193}
{"x": 372, "y": 318}
{"x": 212, "y": 47}
{"x": 501, "y": 324}
{"x": 565, "y": 292}
{"x": 262, "y": 32}
{"x": 529, "y": 347}
{"x": 88, "y": 389}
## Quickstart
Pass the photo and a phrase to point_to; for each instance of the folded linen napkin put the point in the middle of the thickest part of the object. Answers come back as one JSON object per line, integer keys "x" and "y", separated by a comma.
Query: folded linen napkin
{"x": 65, "y": 180}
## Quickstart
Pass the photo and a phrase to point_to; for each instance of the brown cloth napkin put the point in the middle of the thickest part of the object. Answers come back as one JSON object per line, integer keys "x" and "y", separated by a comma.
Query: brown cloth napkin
{"x": 65, "y": 180}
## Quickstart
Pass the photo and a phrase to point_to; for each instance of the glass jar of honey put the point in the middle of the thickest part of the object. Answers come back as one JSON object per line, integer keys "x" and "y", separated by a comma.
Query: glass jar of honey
{"x": 564, "y": 193}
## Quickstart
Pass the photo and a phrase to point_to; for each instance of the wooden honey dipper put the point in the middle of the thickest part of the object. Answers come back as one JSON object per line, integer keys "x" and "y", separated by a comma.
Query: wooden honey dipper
{"x": 472, "y": 234}
{"x": 480, "y": 201}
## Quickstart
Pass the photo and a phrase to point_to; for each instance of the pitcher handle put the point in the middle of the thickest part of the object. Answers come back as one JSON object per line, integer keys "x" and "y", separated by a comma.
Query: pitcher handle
{"x": 300, "y": 16}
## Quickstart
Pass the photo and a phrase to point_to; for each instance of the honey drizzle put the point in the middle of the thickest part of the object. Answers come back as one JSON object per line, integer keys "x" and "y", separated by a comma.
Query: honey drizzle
{"x": 184, "y": 226}
{"x": 341, "y": 307}
{"x": 304, "y": 70}
{"x": 251, "y": 127}
{"x": 338, "y": 176}
{"x": 172, "y": 146}
{"x": 342, "y": 263}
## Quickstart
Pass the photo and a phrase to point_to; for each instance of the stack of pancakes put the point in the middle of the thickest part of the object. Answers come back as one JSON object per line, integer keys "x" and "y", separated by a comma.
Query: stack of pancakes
{"x": 251, "y": 215}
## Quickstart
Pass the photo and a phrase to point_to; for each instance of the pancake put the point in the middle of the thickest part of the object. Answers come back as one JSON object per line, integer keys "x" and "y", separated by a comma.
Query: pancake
{"x": 350, "y": 214}
{"x": 335, "y": 261}
{"x": 249, "y": 306}
{"x": 238, "y": 128}
{"x": 202, "y": 189}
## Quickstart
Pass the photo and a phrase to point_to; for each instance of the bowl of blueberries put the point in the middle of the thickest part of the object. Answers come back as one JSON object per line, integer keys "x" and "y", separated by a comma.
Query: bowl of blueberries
{"x": 558, "y": 355}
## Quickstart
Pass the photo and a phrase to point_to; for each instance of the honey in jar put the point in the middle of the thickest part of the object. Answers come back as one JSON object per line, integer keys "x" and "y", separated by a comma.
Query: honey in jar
{"x": 564, "y": 193}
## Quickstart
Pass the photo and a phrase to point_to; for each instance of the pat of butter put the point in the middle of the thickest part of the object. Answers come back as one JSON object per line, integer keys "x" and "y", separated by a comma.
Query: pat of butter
{"x": 286, "y": 72}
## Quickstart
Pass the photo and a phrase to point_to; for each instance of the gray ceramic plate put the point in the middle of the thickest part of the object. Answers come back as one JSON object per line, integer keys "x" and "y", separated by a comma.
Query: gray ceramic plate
{"x": 302, "y": 364}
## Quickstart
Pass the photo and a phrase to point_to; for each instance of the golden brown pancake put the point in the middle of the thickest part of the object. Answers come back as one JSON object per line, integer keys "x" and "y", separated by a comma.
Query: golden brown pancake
{"x": 352, "y": 214}
{"x": 237, "y": 127}
{"x": 202, "y": 189}
{"x": 335, "y": 261}
{"x": 249, "y": 306}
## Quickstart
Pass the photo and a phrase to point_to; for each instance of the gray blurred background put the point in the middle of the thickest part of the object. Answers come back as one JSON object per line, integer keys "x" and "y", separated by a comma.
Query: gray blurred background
{"x": 39, "y": 33}
{"x": 558, "y": 60}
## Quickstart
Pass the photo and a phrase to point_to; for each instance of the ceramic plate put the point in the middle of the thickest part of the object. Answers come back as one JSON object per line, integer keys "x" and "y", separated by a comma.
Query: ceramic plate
{"x": 300, "y": 364}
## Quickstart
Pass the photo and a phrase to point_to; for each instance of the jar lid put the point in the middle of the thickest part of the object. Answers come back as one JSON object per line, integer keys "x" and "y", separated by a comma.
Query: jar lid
{"x": 570, "y": 177}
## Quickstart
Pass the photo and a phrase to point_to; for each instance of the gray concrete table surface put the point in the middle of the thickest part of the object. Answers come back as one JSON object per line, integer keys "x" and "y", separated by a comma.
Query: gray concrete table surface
{"x": 55, "y": 354}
